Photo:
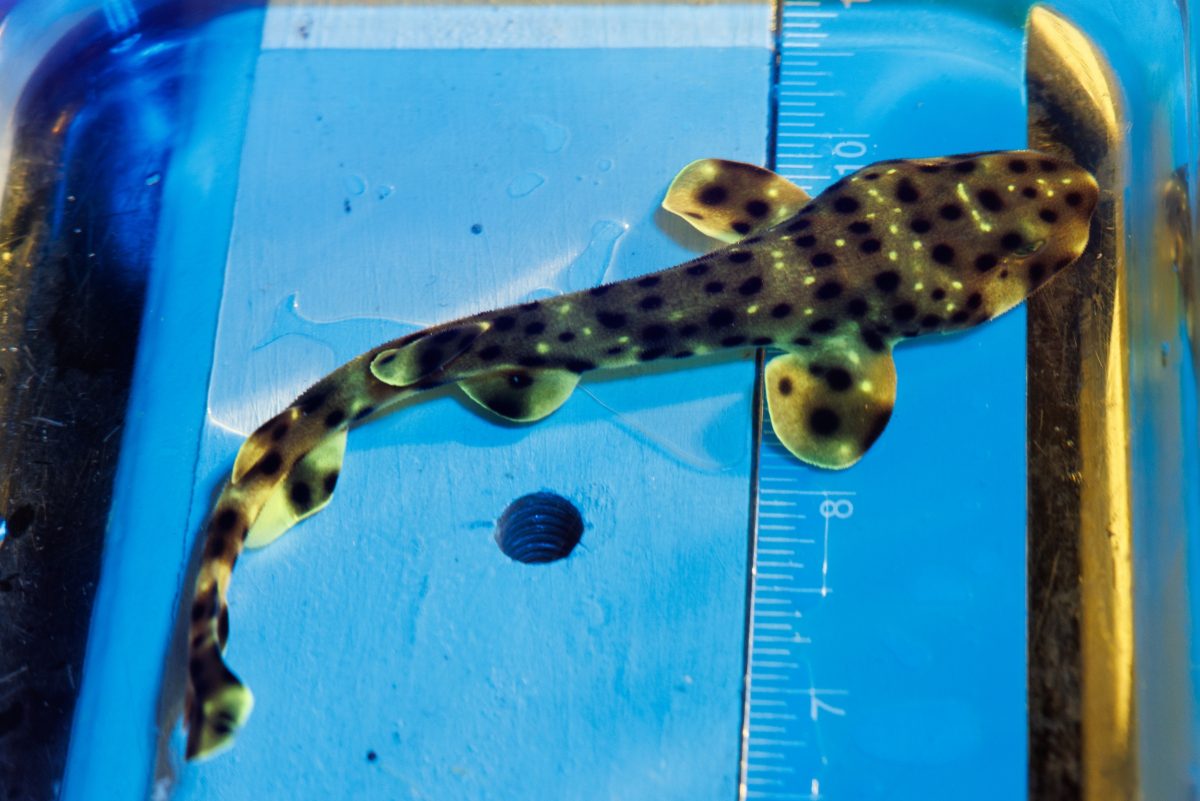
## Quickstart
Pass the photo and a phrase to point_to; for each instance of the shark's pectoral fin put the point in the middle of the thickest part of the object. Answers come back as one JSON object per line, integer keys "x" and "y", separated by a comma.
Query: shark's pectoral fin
{"x": 829, "y": 407}
{"x": 425, "y": 354}
{"x": 728, "y": 200}
{"x": 305, "y": 491}
{"x": 519, "y": 394}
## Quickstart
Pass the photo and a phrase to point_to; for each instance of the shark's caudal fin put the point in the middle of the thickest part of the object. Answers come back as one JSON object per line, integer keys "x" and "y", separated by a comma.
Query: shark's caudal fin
{"x": 729, "y": 200}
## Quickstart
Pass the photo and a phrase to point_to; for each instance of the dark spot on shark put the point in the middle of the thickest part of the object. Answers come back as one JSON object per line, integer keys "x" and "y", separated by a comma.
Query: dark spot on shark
{"x": 751, "y": 286}
{"x": 505, "y": 322}
{"x": 649, "y": 281}
{"x": 721, "y": 318}
{"x": 859, "y": 227}
{"x": 822, "y": 260}
{"x": 335, "y": 418}
{"x": 535, "y": 328}
{"x": 650, "y": 354}
{"x": 906, "y": 192}
{"x": 651, "y": 302}
{"x": 870, "y": 246}
{"x": 823, "y": 326}
{"x": 489, "y": 353}
{"x": 1073, "y": 199}
{"x": 757, "y": 208}
{"x": 652, "y": 333}
{"x": 714, "y": 287}
{"x": 873, "y": 341}
{"x": 740, "y": 256}
{"x": 580, "y": 365}
{"x": 989, "y": 199}
{"x": 838, "y": 379}
{"x": 697, "y": 269}
{"x": 920, "y": 225}
{"x": 713, "y": 195}
{"x": 1018, "y": 165}
{"x": 1012, "y": 241}
{"x": 733, "y": 341}
{"x": 829, "y": 290}
{"x": 887, "y": 281}
{"x": 985, "y": 262}
{"x": 1048, "y": 215}
{"x": 785, "y": 386}
{"x": 300, "y": 497}
{"x": 942, "y": 253}
{"x": 741, "y": 227}
{"x": 270, "y": 463}
{"x": 845, "y": 205}
{"x": 781, "y": 310}
{"x": 566, "y": 336}
{"x": 610, "y": 319}
{"x": 950, "y": 211}
{"x": 824, "y": 422}
{"x": 857, "y": 307}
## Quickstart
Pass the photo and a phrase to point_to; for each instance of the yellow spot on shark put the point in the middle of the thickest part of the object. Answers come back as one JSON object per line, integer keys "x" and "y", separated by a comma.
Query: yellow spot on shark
{"x": 841, "y": 243}
{"x": 809, "y": 280}
{"x": 956, "y": 284}
{"x": 564, "y": 309}
{"x": 623, "y": 340}
{"x": 866, "y": 386}
{"x": 752, "y": 309}
{"x": 587, "y": 332}
{"x": 917, "y": 287}
{"x": 808, "y": 312}
{"x": 893, "y": 255}
{"x": 543, "y": 348}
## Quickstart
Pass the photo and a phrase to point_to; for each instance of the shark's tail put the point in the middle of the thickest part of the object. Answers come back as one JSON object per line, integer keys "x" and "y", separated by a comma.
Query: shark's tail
{"x": 284, "y": 472}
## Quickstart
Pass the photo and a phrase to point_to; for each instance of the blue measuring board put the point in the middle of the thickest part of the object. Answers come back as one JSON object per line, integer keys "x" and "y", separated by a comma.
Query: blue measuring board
{"x": 887, "y": 648}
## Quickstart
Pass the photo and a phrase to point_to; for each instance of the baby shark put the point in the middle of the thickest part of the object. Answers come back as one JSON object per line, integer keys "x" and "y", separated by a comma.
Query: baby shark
{"x": 896, "y": 250}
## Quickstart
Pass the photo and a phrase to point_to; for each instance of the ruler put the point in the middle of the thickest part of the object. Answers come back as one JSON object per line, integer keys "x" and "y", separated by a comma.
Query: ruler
{"x": 817, "y": 724}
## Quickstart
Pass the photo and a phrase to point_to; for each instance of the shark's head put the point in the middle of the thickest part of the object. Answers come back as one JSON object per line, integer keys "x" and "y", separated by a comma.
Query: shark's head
{"x": 943, "y": 244}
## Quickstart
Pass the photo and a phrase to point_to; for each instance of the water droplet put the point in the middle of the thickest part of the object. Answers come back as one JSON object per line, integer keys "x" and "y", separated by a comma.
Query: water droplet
{"x": 604, "y": 165}
{"x": 385, "y": 191}
{"x": 153, "y": 179}
{"x": 477, "y": 229}
{"x": 525, "y": 184}
{"x": 554, "y": 135}
{"x": 355, "y": 185}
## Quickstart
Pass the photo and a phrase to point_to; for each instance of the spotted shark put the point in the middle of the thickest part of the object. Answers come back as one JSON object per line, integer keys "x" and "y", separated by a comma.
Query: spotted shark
{"x": 894, "y": 251}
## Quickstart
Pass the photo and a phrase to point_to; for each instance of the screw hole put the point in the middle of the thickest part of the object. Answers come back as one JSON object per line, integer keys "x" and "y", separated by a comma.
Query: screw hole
{"x": 538, "y": 528}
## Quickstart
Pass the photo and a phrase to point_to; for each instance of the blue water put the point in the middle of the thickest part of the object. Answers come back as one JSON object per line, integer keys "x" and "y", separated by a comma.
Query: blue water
{"x": 332, "y": 195}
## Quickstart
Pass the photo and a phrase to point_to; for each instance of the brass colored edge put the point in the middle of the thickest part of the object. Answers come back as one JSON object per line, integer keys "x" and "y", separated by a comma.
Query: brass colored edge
{"x": 1082, "y": 721}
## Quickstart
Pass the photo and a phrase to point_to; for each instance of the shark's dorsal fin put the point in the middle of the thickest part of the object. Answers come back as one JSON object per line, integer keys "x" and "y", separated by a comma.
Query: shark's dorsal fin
{"x": 519, "y": 394}
{"x": 305, "y": 491}
{"x": 829, "y": 406}
{"x": 729, "y": 200}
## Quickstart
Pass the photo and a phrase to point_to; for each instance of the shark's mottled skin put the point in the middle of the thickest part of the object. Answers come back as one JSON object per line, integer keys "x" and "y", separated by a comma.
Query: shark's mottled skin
{"x": 896, "y": 250}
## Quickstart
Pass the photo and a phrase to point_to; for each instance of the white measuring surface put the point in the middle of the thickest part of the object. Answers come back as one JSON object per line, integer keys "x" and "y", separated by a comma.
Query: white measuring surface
{"x": 886, "y": 654}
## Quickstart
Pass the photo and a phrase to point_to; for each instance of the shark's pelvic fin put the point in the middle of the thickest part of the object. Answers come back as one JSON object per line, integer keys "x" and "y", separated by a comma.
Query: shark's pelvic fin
{"x": 306, "y": 491}
{"x": 519, "y": 394}
{"x": 729, "y": 200}
{"x": 828, "y": 407}
{"x": 425, "y": 354}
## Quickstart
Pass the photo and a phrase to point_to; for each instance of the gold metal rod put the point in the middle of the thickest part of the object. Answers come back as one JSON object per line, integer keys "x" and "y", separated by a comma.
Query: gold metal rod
{"x": 1082, "y": 699}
